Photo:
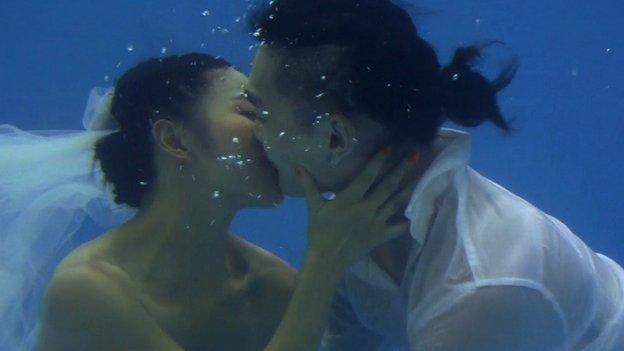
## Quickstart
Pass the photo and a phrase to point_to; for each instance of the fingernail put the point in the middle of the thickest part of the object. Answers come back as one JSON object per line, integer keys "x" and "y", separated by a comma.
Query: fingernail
{"x": 415, "y": 156}
{"x": 387, "y": 150}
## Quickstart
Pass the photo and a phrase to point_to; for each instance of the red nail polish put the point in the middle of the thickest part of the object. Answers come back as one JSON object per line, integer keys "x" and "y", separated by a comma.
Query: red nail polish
{"x": 387, "y": 150}
{"x": 415, "y": 156}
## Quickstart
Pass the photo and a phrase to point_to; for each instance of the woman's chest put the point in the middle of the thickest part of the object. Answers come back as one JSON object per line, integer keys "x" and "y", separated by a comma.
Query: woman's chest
{"x": 243, "y": 320}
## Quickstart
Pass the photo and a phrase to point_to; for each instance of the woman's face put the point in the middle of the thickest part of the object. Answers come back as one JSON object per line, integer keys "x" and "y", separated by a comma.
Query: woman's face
{"x": 225, "y": 151}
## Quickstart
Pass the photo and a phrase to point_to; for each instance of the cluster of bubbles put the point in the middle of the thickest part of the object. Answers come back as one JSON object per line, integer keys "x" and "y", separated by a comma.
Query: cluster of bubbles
{"x": 237, "y": 161}
{"x": 318, "y": 119}
{"x": 221, "y": 30}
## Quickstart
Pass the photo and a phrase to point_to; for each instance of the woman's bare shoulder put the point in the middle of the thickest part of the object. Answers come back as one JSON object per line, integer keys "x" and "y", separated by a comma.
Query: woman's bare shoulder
{"x": 88, "y": 298}
{"x": 84, "y": 277}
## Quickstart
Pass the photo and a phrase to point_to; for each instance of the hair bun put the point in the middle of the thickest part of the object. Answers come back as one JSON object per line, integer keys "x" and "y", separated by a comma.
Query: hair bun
{"x": 468, "y": 98}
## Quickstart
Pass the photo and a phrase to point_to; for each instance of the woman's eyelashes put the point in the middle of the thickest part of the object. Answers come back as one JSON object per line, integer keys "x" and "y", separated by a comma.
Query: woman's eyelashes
{"x": 247, "y": 111}
{"x": 252, "y": 115}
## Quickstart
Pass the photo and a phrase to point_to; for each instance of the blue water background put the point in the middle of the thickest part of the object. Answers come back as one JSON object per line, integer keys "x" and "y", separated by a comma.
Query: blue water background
{"x": 567, "y": 100}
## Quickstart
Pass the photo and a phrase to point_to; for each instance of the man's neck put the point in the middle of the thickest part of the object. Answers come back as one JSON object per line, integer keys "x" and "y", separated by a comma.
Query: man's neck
{"x": 392, "y": 256}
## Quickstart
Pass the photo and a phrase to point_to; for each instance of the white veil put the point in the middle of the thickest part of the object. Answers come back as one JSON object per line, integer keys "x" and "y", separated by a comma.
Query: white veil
{"x": 49, "y": 185}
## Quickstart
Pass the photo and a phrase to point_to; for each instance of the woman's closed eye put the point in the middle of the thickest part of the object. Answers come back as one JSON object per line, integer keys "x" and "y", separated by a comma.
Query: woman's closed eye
{"x": 254, "y": 114}
{"x": 251, "y": 114}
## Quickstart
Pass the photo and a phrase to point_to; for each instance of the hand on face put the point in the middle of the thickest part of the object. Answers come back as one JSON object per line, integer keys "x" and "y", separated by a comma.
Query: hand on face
{"x": 352, "y": 224}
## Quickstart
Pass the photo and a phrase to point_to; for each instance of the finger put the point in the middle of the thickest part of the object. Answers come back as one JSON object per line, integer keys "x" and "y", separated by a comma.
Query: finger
{"x": 311, "y": 192}
{"x": 391, "y": 232}
{"x": 398, "y": 202}
{"x": 397, "y": 230}
{"x": 390, "y": 183}
{"x": 360, "y": 185}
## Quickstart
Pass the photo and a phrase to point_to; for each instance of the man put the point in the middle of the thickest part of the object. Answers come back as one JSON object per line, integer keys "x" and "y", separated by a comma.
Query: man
{"x": 480, "y": 268}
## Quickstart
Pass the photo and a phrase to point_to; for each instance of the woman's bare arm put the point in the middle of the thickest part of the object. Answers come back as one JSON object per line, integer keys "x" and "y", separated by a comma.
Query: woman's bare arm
{"x": 340, "y": 232}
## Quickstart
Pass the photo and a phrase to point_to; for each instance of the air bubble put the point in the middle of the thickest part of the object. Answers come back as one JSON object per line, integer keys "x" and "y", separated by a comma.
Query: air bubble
{"x": 130, "y": 48}
{"x": 455, "y": 76}
{"x": 206, "y": 13}
{"x": 163, "y": 50}
{"x": 318, "y": 96}
{"x": 282, "y": 134}
{"x": 235, "y": 140}
{"x": 216, "y": 194}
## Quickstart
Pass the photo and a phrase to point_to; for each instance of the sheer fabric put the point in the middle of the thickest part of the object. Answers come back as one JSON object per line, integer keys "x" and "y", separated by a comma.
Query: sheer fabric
{"x": 472, "y": 236}
{"x": 49, "y": 184}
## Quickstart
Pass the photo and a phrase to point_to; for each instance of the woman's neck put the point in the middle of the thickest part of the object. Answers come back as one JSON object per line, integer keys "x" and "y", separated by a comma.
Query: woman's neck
{"x": 179, "y": 247}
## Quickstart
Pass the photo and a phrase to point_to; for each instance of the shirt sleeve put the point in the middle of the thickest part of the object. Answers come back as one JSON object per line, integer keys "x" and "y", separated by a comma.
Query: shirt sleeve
{"x": 494, "y": 318}
{"x": 344, "y": 331}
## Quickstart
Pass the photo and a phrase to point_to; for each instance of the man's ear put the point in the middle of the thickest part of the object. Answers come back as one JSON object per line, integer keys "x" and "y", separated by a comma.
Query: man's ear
{"x": 342, "y": 138}
{"x": 168, "y": 136}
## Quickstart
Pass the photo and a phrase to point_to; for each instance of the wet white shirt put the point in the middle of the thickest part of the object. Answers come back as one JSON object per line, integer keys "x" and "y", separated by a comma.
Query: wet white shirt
{"x": 487, "y": 271}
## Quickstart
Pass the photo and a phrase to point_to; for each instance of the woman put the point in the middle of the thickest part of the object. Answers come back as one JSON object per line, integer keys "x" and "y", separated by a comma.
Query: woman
{"x": 172, "y": 277}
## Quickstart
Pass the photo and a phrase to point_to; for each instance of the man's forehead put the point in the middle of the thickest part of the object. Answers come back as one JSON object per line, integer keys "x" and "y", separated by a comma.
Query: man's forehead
{"x": 278, "y": 57}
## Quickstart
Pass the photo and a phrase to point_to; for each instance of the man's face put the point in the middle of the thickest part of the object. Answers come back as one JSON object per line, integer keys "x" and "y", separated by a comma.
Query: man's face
{"x": 332, "y": 147}
{"x": 287, "y": 141}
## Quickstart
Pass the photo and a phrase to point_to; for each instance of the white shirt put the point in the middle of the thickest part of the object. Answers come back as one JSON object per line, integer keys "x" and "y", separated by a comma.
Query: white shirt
{"x": 487, "y": 271}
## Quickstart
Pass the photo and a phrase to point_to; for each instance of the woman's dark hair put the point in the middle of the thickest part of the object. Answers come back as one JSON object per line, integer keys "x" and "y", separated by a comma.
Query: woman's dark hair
{"x": 157, "y": 88}
{"x": 387, "y": 70}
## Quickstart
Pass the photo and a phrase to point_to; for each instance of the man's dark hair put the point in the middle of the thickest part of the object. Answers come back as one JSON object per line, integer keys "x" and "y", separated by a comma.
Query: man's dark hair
{"x": 386, "y": 69}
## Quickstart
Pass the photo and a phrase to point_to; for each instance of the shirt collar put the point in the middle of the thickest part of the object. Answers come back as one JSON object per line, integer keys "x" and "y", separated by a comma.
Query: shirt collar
{"x": 455, "y": 153}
